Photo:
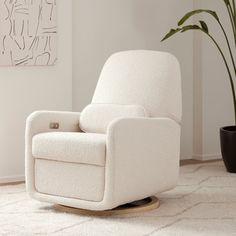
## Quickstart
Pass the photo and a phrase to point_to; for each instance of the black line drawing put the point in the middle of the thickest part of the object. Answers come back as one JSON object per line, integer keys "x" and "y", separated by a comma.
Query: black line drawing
{"x": 50, "y": 32}
{"x": 17, "y": 60}
{"x": 17, "y": 44}
{"x": 3, "y": 42}
{"x": 11, "y": 58}
{"x": 28, "y": 33}
{"x": 22, "y": 29}
{"x": 23, "y": 43}
{"x": 45, "y": 47}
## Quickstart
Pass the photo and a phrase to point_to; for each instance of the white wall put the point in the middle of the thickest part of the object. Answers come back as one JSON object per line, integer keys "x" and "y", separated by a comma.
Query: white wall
{"x": 106, "y": 26}
{"x": 25, "y": 89}
{"x": 99, "y": 29}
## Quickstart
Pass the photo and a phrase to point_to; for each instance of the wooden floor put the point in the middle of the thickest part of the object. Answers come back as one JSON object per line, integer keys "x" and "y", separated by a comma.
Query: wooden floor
{"x": 13, "y": 183}
{"x": 182, "y": 163}
{"x": 192, "y": 162}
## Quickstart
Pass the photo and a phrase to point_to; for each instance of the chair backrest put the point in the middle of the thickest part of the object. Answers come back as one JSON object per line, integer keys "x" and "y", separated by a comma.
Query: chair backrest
{"x": 151, "y": 79}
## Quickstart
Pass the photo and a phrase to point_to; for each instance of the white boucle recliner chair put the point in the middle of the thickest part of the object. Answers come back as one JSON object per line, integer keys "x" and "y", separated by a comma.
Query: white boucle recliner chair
{"x": 122, "y": 147}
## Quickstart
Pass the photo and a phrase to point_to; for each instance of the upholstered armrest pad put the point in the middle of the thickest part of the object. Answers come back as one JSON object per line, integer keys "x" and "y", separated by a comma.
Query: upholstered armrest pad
{"x": 143, "y": 156}
{"x": 43, "y": 121}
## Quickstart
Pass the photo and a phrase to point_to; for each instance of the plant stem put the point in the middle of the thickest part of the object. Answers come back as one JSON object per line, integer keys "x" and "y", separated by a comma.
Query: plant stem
{"x": 228, "y": 70}
{"x": 230, "y": 50}
{"x": 234, "y": 15}
{"x": 234, "y": 8}
{"x": 231, "y": 16}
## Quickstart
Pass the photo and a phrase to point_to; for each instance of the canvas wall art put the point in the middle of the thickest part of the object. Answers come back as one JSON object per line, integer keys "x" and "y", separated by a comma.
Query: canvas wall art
{"x": 28, "y": 32}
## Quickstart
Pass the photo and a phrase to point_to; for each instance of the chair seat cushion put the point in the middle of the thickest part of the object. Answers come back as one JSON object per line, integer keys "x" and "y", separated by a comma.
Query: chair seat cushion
{"x": 74, "y": 147}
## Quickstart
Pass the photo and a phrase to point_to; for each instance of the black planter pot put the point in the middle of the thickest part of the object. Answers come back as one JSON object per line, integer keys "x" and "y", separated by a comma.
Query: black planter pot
{"x": 228, "y": 147}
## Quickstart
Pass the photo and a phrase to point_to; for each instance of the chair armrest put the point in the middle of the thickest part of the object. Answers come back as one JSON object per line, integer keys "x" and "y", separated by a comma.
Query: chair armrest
{"x": 45, "y": 121}
{"x": 142, "y": 157}
{"x": 42, "y": 121}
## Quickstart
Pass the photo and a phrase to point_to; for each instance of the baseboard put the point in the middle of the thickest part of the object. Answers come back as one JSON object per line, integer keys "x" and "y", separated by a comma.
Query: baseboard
{"x": 185, "y": 158}
{"x": 12, "y": 179}
{"x": 207, "y": 157}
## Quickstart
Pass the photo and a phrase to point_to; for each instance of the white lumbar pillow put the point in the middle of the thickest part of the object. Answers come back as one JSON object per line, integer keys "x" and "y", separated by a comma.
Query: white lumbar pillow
{"x": 95, "y": 118}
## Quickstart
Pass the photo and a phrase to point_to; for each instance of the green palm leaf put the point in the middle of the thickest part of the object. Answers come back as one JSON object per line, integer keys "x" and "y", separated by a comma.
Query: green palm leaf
{"x": 204, "y": 26}
{"x": 171, "y": 33}
{"x": 190, "y": 27}
{"x": 192, "y": 13}
{"x": 227, "y": 2}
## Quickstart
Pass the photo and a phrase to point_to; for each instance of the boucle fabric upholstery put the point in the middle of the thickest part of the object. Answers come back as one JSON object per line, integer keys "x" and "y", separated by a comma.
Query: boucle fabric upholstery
{"x": 69, "y": 179}
{"x": 96, "y": 117}
{"x": 86, "y": 148}
{"x": 147, "y": 78}
{"x": 143, "y": 157}
{"x": 39, "y": 122}
{"x": 141, "y": 153}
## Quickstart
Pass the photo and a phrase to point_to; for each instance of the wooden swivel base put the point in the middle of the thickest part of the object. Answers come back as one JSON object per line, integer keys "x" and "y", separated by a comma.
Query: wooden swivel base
{"x": 144, "y": 205}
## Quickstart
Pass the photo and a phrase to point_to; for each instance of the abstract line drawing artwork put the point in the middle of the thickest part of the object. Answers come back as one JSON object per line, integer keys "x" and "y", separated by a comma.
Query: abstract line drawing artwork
{"x": 28, "y": 32}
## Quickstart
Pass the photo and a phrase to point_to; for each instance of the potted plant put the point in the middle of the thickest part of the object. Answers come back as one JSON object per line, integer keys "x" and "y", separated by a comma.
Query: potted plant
{"x": 227, "y": 134}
